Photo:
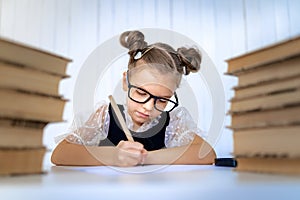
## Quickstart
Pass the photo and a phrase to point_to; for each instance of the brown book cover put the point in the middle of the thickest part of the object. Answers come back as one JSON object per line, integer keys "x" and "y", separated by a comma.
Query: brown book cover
{"x": 264, "y": 102}
{"x": 273, "y": 165}
{"x": 28, "y": 106}
{"x": 14, "y": 161}
{"x": 268, "y": 141}
{"x": 275, "y": 71}
{"x": 269, "y": 54}
{"x": 270, "y": 87}
{"x": 28, "y": 79}
{"x": 25, "y": 55}
{"x": 21, "y": 134}
{"x": 265, "y": 118}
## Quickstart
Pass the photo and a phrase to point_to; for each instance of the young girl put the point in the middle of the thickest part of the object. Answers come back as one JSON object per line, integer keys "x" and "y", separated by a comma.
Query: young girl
{"x": 163, "y": 132}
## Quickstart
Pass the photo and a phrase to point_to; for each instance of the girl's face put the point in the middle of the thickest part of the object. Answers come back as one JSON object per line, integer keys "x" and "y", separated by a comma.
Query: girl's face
{"x": 151, "y": 82}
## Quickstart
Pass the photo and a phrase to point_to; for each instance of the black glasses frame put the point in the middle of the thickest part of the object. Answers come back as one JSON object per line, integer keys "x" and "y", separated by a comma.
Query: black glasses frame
{"x": 151, "y": 96}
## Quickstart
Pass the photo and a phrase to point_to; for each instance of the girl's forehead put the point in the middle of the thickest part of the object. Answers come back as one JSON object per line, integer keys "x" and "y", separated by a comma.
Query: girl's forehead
{"x": 150, "y": 77}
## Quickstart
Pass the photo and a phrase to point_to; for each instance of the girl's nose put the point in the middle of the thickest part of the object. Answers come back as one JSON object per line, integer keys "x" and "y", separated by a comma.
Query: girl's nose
{"x": 149, "y": 105}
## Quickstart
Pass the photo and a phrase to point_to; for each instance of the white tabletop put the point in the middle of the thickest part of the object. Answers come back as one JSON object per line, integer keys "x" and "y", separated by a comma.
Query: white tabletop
{"x": 148, "y": 182}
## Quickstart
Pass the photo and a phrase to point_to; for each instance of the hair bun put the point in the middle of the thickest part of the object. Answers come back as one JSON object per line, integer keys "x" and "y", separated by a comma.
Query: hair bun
{"x": 133, "y": 40}
{"x": 190, "y": 59}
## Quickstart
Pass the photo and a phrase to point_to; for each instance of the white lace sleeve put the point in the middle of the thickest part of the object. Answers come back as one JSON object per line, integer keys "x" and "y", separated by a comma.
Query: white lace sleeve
{"x": 181, "y": 129}
{"x": 92, "y": 130}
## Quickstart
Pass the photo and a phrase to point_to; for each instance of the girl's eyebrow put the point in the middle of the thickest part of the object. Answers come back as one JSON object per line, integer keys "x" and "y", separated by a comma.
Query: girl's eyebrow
{"x": 166, "y": 97}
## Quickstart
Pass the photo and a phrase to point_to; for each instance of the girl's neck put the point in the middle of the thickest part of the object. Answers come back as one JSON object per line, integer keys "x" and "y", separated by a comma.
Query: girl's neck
{"x": 135, "y": 126}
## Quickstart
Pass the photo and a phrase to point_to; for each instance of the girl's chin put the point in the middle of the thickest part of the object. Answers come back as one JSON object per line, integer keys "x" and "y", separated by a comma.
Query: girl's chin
{"x": 139, "y": 121}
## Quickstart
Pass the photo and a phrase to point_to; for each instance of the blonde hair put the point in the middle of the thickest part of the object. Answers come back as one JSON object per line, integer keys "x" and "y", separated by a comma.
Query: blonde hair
{"x": 161, "y": 56}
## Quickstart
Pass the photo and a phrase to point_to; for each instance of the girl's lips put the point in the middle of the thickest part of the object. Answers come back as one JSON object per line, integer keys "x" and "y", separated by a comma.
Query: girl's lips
{"x": 142, "y": 115}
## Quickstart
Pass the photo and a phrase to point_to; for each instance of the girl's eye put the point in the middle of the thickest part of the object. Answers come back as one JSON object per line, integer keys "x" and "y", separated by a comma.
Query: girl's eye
{"x": 141, "y": 92}
{"x": 162, "y": 101}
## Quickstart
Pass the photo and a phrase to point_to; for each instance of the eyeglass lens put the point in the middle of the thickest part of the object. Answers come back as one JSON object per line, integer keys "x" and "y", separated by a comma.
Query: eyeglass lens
{"x": 141, "y": 96}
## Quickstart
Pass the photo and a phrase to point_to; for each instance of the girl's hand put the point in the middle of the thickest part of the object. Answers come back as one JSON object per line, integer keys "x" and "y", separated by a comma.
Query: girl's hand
{"x": 130, "y": 154}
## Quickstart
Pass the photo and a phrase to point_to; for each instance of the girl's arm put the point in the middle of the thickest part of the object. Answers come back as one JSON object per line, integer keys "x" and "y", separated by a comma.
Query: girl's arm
{"x": 124, "y": 154}
{"x": 198, "y": 152}
{"x": 67, "y": 153}
{"x": 131, "y": 154}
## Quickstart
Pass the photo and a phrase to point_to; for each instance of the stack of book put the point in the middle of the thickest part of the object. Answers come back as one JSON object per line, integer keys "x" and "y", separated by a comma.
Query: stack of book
{"x": 29, "y": 100}
{"x": 265, "y": 109}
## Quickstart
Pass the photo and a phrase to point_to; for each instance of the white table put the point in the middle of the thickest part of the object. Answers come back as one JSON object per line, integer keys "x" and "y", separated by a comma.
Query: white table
{"x": 164, "y": 182}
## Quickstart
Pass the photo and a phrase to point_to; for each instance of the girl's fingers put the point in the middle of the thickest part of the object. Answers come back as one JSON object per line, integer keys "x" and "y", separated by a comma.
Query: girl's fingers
{"x": 129, "y": 157}
{"x": 130, "y": 145}
{"x": 143, "y": 157}
{"x": 131, "y": 153}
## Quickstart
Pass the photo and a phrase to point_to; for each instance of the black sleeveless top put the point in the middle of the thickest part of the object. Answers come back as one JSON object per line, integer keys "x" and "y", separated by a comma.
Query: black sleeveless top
{"x": 152, "y": 139}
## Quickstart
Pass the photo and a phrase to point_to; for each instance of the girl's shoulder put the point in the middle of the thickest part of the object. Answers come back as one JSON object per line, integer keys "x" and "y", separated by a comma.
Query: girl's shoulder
{"x": 89, "y": 130}
{"x": 101, "y": 105}
{"x": 180, "y": 113}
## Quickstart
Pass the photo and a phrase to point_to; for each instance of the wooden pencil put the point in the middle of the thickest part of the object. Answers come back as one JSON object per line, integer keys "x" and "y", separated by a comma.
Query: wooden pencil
{"x": 120, "y": 118}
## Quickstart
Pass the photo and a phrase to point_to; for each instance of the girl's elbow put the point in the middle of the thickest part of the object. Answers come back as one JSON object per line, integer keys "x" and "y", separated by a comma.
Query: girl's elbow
{"x": 207, "y": 153}
{"x": 55, "y": 159}
{"x": 57, "y": 156}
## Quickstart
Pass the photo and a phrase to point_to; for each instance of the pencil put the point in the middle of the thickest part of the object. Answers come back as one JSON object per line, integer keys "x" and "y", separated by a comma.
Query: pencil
{"x": 120, "y": 118}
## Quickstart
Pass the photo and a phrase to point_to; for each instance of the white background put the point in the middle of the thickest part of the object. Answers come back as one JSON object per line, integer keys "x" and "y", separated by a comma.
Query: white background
{"x": 74, "y": 28}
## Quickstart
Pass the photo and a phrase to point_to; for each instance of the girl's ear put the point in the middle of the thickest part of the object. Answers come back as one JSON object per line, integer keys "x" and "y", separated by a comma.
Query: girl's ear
{"x": 124, "y": 81}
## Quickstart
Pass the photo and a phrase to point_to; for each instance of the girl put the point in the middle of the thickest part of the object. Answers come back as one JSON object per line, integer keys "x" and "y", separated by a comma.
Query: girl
{"x": 163, "y": 132}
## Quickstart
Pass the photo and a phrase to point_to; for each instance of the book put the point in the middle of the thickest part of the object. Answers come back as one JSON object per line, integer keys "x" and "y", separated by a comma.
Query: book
{"x": 275, "y": 165}
{"x": 21, "y": 134}
{"x": 30, "y": 99}
{"x": 265, "y": 109}
{"x": 29, "y": 106}
{"x": 275, "y": 71}
{"x": 32, "y": 57}
{"x": 19, "y": 161}
{"x": 273, "y": 117}
{"x": 263, "y": 102}
{"x": 263, "y": 56}
{"x": 270, "y": 87}
{"x": 29, "y": 79}
{"x": 268, "y": 141}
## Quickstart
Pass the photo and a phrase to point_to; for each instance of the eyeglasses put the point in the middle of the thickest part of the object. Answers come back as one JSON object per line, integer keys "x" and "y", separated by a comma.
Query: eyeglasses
{"x": 139, "y": 95}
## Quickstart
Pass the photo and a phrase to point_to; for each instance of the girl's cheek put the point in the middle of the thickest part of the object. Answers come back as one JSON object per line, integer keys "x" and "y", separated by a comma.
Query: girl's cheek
{"x": 132, "y": 106}
{"x": 155, "y": 114}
